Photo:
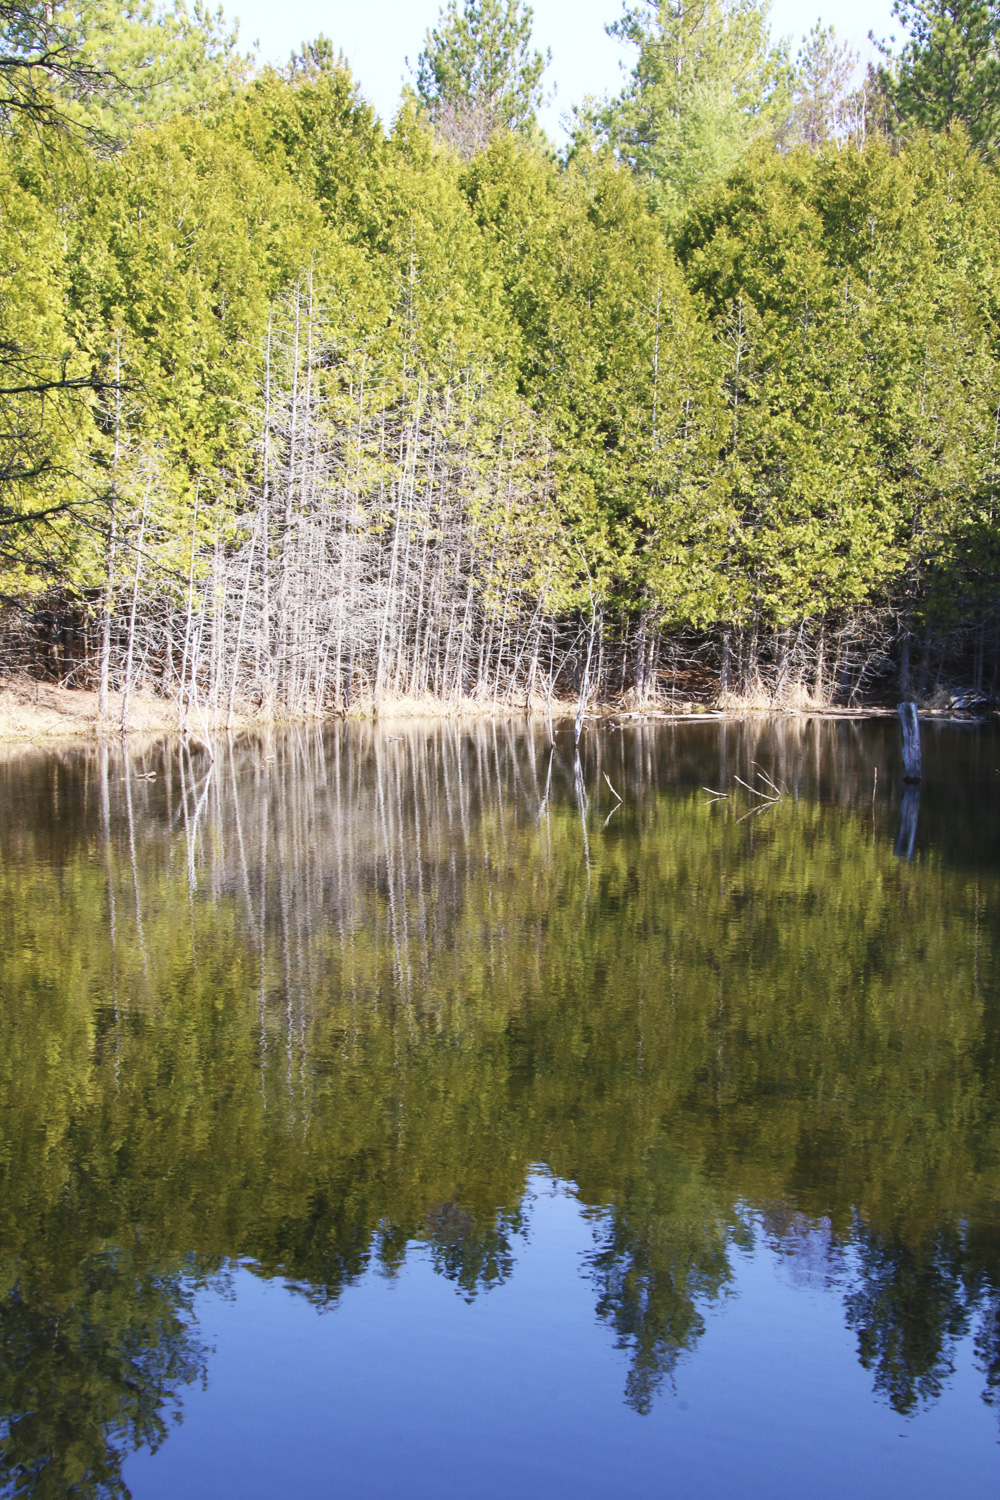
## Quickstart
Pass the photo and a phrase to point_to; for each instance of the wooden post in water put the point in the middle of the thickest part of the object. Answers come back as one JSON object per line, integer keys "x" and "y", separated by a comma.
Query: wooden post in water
{"x": 912, "y": 770}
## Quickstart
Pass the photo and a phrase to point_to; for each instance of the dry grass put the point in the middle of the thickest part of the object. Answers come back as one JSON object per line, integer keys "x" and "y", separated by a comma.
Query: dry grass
{"x": 797, "y": 697}
{"x": 36, "y": 711}
{"x": 429, "y": 707}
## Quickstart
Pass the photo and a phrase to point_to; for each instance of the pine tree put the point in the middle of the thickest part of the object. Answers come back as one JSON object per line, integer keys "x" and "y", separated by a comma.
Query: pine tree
{"x": 164, "y": 56}
{"x": 42, "y": 65}
{"x": 823, "y": 107}
{"x": 707, "y": 81}
{"x": 479, "y": 73}
{"x": 949, "y": 69}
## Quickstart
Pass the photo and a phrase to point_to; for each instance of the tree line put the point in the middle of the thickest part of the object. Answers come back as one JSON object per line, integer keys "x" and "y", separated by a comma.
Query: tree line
{"x": 303, "y": 415}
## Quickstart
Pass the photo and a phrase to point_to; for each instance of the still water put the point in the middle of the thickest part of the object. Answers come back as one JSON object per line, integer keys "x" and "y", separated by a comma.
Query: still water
{"x": 430, "y": 1111}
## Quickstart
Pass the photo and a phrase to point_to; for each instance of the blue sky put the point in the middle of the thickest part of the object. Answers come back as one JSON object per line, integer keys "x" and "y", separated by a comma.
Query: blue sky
{"x": 377, "y": 38}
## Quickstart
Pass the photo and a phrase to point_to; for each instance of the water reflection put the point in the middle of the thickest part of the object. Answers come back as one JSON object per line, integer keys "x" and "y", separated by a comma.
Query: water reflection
{"x": 332, "y": 994}
{"x": 93, "y": 1365}
{"x": 909, "y": 817}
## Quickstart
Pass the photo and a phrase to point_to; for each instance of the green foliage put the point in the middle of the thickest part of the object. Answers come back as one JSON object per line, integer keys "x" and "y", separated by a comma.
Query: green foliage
{"x": 44, "y": 70}
{"x": 610, "y": 353}
{"x": 707, "y": 81}
{"x": 183, "y": 244}
{"x": 478, "y": 72}
{"x": 164, "y": 58}
{"x": 859, "y": 381}
{"x": 46, "y": 398}
{"x": 715, "y": 1027}
{"x": 780, "y": 416}
{"x": 948, "y": 71}
{"x": 316, "y": 128}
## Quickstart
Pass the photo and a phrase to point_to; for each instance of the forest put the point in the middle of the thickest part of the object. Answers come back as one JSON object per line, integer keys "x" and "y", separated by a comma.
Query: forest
{"x": 304, "y": 414}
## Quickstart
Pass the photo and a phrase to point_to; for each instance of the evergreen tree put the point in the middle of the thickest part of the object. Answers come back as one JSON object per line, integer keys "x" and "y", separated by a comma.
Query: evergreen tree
{"x": 46, "y": 390}
{"x": 949, "y": 69}
{"x": 823, "y": 104}
{"x": 42, "y": 63}
{"x": 707, "y": 81}
{"x": 98, "y": 66}
{"x": 478, "y": 71}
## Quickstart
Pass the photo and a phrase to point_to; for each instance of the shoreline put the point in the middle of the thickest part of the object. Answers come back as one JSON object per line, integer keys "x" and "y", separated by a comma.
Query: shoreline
{"x": 46, "y": 713}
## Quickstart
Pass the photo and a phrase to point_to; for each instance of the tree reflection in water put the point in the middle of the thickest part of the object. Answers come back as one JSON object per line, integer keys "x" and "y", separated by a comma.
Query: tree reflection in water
{"x": 92, "y": 1369}
{"x": 334, "y": 994}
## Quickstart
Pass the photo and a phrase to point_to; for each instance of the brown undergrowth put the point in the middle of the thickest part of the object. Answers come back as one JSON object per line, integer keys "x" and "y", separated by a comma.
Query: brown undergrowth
{"x": 796, "y": 696}
{"x": 34, "y": 711}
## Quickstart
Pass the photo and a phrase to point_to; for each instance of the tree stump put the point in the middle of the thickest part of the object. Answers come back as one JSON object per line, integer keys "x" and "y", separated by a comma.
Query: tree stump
{"x": 912, "y": 769}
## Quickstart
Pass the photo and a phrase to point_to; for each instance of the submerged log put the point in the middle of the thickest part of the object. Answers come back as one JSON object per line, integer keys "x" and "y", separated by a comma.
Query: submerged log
{"x": 912, "y": 770}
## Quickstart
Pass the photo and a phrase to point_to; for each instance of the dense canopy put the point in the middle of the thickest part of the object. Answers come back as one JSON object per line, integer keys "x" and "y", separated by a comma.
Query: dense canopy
{"x": 301, "y": 413}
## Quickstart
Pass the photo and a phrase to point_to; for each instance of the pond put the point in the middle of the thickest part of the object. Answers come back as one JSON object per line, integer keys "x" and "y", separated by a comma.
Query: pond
{"x": 431, "y": 1110}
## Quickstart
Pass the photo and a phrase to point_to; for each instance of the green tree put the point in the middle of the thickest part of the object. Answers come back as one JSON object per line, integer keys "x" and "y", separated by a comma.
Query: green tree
{"x": 165, "y": 57}
{"x": 42, "y": 64}
{"x": 860, "y": 385}
{"x": 45, "y": 388}
{"x": 609, "y": 355}
{"x": 824, "y": 105}
{"x": 948, "y": 71}
{"x": 479, "y": 73}
{"x": 47, "y": 392}
{"x": 98, "y": 67}
{"x": 706, "y": 82}
{"x": 188, "y": 239}
{"x": 314, "y": 127}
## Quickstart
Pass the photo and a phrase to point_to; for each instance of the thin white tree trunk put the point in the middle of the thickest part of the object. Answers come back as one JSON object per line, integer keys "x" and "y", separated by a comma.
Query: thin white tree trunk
{"x": 127, "y": 685}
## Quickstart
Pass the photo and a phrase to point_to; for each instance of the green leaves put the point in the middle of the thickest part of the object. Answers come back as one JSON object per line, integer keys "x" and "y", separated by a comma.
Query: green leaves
{"x": 858, "y": 382}
{"x": 159, "y": 59}
{"x": 46, "y": 395}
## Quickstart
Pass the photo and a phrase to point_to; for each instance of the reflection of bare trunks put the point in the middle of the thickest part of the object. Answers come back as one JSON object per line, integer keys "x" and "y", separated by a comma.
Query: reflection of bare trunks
{"x": 336, "y": 995}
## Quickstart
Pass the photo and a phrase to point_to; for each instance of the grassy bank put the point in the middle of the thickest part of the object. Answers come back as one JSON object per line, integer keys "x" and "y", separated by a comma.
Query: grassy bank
{"x": 32, "y": 712}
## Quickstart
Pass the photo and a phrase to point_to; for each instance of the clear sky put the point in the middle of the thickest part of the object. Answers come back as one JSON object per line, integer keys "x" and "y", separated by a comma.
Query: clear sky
{"x": 379, "y": 36}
